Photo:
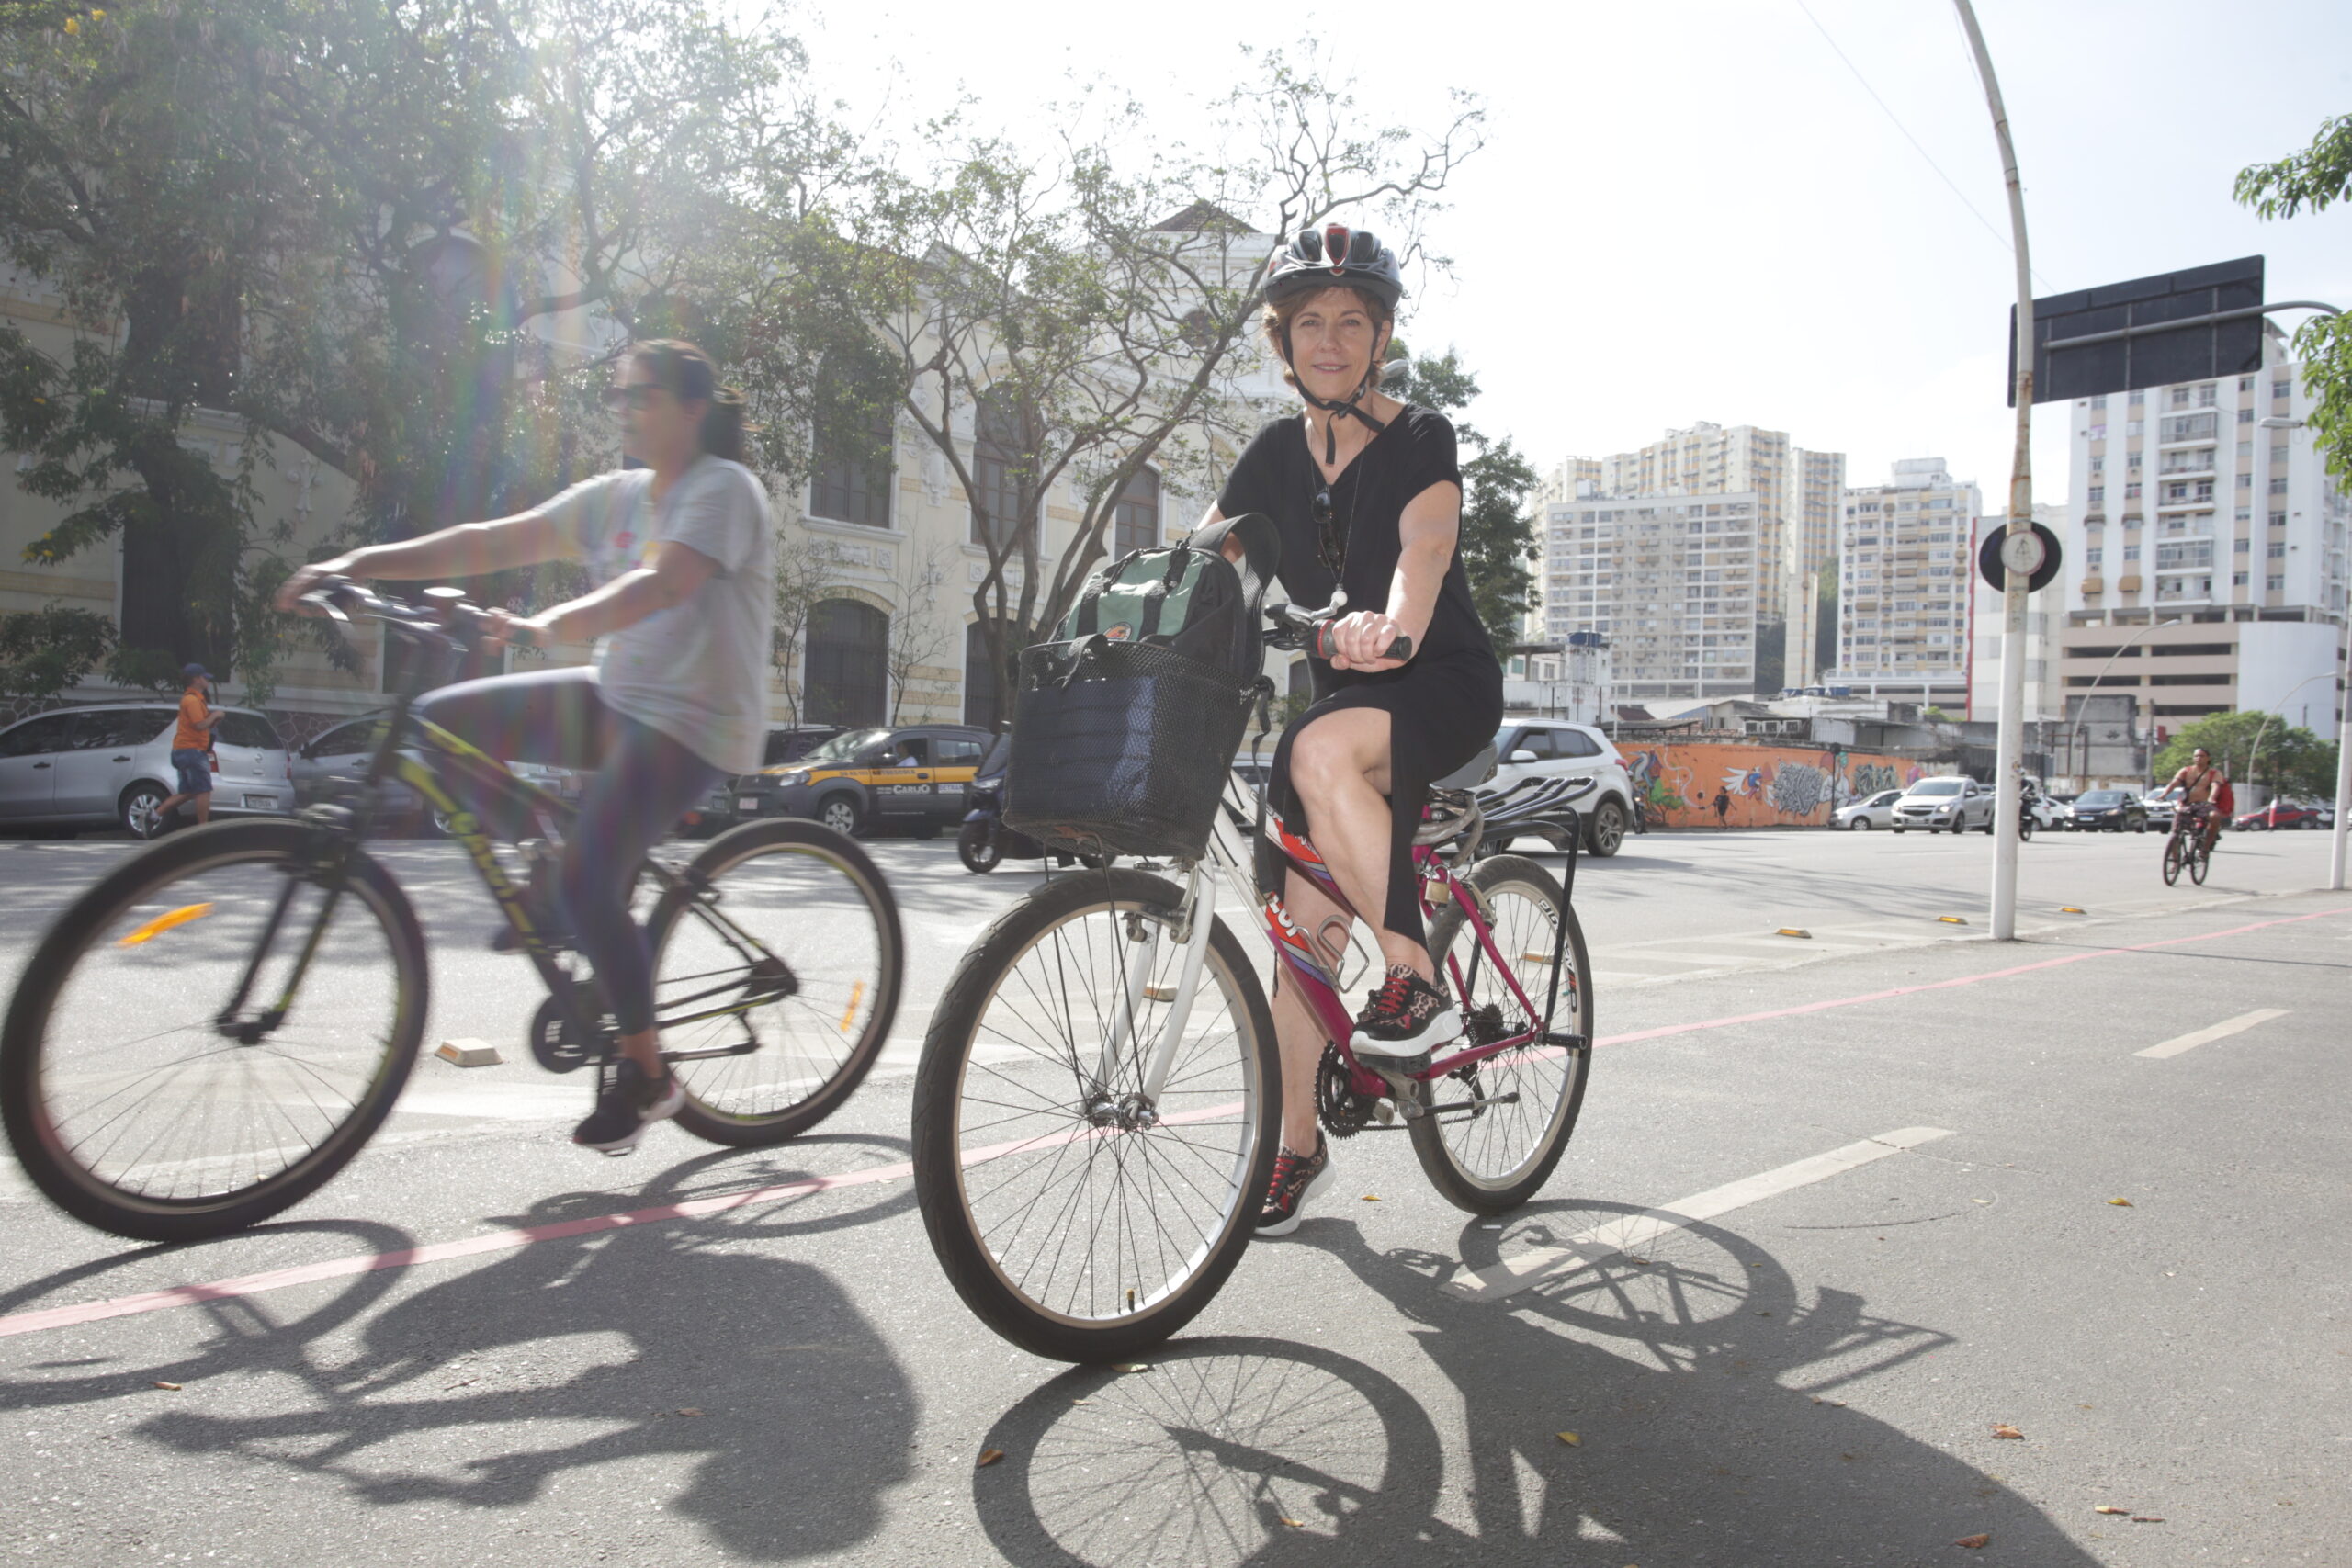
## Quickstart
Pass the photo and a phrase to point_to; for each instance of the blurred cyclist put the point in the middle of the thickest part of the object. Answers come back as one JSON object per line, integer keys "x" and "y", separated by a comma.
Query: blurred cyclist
{"x": 2201, "y": 785}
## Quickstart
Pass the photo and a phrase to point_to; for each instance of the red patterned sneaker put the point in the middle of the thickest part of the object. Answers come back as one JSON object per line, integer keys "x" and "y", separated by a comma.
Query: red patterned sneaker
{"x": 1407, "y": 1017}
{"x": 1297, "y": 1178}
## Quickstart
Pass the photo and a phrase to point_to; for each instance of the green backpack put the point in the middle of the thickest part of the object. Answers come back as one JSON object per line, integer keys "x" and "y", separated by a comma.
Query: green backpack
{"x": 1187, "y": 598}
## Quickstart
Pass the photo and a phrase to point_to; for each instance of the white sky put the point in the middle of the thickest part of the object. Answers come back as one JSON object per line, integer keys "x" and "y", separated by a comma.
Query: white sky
{"x": 1691, "y": 210}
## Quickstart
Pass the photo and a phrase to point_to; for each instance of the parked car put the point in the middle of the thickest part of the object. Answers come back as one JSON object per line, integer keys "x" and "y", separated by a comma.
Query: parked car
{"x": 2109, "y": 811}
{"x": 93, "y": 767}
{"x": 787, "y": 744}
{"x": 1554, "y": 749}
{"x": 333, "y": 764}
{"x": 906, "y": 779}
{"x": 1952, "y": 804}
{"x": 2279, "y": 814}
{"x": 2159, "y": 810}
{"x": 1877, "y": 811}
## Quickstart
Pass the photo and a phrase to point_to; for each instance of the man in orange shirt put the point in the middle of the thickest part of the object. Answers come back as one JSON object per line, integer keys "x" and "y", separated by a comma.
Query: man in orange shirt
{"x": 191, "y": 747}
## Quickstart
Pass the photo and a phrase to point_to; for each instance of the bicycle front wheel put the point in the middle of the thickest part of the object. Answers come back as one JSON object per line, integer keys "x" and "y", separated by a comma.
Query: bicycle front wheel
{"x": 145, "y": 1098}
{"x": 1523, "y": 1101}
{"x": 775, "y": 978}
{"x": 2172, "y": 859}
{"x": 2201, "y": 860}
{"x": 1079, "y": 1217}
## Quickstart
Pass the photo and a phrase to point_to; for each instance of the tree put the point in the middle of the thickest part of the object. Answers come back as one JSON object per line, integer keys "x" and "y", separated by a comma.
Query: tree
{"x": 1500, "y": 537}
{"x": 2255, "y": 747}
{"x": 807, "y": 570}
{"x": 2315, "y": 177}
{"x": 1053, "y": 327}
{"x": 45, "y": 650}
{"x": 918, "y": 634}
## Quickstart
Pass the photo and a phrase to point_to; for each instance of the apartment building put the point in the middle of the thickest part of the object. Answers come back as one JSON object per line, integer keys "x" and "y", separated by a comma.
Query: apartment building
{"x": 1906, "y": 552}
{"x": 2206, "y": 551}
{"x": 1670, "y": 583}
{"x": 1798, "y": 493}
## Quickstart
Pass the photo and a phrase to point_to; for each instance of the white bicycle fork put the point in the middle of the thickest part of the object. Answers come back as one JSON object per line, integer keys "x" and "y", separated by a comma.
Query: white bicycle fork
{"x": 1200, "y": 906}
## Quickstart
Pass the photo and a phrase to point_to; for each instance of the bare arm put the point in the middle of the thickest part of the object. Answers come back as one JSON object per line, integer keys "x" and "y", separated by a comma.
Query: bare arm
{"x": 469, "y": 549}
{"x": 676, "y": 573}
{"x": 1427, "y": 534}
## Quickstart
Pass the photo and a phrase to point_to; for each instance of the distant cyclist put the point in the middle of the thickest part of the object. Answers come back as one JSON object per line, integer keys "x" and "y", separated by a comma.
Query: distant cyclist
{"x": 2203, "y": 789}
{"x": 1367, "y": 493}
{"x": 684, "y": 552}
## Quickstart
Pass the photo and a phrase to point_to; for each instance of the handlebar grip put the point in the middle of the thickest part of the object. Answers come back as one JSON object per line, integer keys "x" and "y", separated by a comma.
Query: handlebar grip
{"x": 1400, "y": 649}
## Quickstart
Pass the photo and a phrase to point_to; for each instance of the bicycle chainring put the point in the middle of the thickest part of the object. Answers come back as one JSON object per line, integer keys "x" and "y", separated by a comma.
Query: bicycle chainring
{"x": 555, "y": 1042}
{"x": 1342, "y": 1110}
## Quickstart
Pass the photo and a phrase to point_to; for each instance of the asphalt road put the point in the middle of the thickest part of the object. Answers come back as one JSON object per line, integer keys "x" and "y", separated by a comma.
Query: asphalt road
{"x": 1809, "y": 1372}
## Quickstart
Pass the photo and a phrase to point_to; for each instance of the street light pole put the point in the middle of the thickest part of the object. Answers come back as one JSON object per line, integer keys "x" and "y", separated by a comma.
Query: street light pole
{"x": 2343, "y": 706}
{"x": 2010, "y": 752}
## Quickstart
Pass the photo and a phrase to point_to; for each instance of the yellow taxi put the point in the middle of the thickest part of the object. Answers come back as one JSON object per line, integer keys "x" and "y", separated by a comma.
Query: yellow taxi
{"x": 910, "y": 778}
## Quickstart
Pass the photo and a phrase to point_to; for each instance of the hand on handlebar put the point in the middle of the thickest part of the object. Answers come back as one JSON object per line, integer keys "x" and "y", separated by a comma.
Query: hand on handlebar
{"x": 306, "y": 581}
{"x": 1364, "y": 641}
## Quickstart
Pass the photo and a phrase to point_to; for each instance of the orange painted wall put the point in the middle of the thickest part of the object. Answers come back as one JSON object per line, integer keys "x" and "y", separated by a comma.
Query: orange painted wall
{"x": 1769, "y": 787}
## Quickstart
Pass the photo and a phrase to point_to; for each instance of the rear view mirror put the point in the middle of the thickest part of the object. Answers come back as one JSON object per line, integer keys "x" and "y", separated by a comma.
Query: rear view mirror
{"x": 1523, "y": 755}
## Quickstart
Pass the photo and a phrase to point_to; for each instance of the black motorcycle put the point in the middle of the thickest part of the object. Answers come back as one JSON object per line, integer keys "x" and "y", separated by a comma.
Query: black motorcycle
{"x": 985, "y": 839}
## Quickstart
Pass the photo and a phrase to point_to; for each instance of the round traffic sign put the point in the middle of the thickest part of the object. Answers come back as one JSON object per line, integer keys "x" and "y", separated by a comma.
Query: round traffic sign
{"x": 2035, "y": 554}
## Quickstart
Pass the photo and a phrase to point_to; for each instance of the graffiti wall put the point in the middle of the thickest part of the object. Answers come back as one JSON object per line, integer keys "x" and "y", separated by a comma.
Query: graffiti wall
{"x": 1704, "y": 784}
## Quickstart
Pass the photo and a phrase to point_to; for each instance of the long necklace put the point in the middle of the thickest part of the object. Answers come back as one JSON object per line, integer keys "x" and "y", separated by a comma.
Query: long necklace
{"x": 1331, "y": 542}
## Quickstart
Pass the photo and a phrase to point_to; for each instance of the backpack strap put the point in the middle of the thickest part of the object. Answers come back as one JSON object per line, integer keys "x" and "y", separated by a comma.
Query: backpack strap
{"x": 1155, "y": 595}
{"x": 1261, "y": 549}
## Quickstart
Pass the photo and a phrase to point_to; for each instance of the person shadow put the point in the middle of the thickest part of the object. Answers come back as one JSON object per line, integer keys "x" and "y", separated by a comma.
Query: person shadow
{"x": 1705, "y": 1392}
{"x": 685, "y": 1340}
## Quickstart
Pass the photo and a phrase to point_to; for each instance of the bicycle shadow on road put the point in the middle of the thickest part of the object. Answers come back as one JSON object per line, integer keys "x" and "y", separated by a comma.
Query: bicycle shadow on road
{"x": 1701, "y": 1386}
{"x": 685, "y": 1345}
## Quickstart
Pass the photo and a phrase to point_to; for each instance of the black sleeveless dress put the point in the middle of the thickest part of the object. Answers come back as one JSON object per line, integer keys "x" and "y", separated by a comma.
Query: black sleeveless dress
{"x": 1447, "y": 701}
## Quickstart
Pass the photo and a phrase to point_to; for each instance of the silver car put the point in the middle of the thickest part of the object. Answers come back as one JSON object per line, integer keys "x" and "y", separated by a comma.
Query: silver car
{"x": 331, "y": 767}
{"x": 92, "y": 767}
{"x": 1944, "y": 805}
{"x": 1878, "y": 811}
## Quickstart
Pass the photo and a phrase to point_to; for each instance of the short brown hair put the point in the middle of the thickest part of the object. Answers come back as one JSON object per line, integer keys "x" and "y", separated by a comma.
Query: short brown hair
{"x": 1276, "y": 319}
{"x": 690, "y": 377}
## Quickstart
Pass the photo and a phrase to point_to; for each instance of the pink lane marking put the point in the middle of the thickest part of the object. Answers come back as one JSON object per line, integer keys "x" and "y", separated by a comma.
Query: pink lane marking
{"x": 1799, "y": 1010}
{"x": 502, "y": 1241}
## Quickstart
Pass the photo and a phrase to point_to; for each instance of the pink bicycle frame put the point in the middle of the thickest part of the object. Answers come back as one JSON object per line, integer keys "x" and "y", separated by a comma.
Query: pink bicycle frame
{"x": 1306, "y": 969}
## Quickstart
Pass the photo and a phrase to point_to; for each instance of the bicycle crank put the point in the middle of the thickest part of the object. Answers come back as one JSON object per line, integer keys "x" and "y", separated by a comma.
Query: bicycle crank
{"x": 555, "y": 1039}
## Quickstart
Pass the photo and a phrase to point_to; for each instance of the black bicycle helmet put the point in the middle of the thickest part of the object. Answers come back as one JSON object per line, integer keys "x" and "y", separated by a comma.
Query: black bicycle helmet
{"x": 1334, "y": 256}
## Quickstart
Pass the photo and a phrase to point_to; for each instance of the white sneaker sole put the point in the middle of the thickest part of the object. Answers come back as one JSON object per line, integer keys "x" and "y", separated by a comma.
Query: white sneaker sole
{"x": 660, "y": 1110}
{"x": 1322, "y": 1179}
{"x": 1442, "y": 1030}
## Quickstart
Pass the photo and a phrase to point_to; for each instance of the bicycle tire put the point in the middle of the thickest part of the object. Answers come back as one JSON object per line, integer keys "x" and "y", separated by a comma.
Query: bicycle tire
{"x": 722, "y": 1106}
{"x": 1447, "y": 1162}
{"x": 2172, "y": 859}
{"x": 981, "y": 1265}
{"x": 2201, "y": 860}
{"x": 28, "y": 1108}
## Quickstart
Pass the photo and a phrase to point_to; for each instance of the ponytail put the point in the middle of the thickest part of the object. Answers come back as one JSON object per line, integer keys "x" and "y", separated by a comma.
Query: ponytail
{"x": 689, "y": 375}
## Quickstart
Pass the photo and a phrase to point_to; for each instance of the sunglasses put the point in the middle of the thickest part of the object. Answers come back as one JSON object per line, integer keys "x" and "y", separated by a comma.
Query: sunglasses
{"x": 637, "y": 395}
{"x": 1330, "y": 543}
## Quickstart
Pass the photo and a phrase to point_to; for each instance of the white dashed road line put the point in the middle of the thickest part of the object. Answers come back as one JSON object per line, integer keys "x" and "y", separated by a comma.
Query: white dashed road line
{"x": 2221, "y": 1031}
{"x": 1639, "y": 1231}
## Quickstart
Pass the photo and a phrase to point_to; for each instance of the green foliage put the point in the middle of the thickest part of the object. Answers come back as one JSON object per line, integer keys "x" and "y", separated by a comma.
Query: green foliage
{"x": 45, "y": 650}
{"x": 2255, "y": 748}
{"x": 1498, "y": 528}
{"x": 2315, "y": 177}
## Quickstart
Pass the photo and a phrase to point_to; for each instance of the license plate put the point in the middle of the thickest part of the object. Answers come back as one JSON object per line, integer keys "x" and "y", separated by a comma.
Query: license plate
{"x": 747, "y": 803}
{"x": 261, "y": 802}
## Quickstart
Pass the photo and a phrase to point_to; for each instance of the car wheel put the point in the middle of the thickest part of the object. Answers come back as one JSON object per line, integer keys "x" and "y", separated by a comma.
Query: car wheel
{"x": 438, "y": 821}
{"x": 1896, "y": 831}
{"x": 1606, "y": 834}
{"x": 1858, "y": 825}
{"x": 839, "y": 813}
{"x": 138, "y": 810}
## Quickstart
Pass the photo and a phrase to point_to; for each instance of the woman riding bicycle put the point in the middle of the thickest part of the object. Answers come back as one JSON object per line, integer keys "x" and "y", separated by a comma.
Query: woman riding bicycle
{"x": 1367, "y": 493}
{"x": 683, "y": 550}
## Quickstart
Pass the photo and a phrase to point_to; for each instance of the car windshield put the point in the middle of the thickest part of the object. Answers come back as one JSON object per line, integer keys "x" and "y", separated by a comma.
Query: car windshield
{"x": 1936, "y": 786}
{"x": 2102, "y": 797}
{"x": 844, "y": 746}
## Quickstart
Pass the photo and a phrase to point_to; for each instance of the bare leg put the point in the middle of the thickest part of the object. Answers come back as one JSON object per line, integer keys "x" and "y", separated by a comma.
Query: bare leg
{"x": 204, "y": 808}
{"x": 1299, "y": 1032}
{"x": 1338, "y": 765}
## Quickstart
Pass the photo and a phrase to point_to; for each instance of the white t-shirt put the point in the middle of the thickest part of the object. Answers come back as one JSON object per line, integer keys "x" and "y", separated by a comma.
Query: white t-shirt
{"x": 698, "y": 671}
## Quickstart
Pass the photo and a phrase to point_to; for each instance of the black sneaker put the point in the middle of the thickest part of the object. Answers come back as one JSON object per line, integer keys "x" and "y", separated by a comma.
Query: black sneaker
{"x": 1297, "y": 1178}
{"x": 1407, "y": 1017}
{"x": 630, "y": 1103}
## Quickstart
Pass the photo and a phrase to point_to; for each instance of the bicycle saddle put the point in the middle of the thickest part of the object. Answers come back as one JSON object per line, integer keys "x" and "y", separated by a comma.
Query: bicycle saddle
{"x": 1470, "y": 774}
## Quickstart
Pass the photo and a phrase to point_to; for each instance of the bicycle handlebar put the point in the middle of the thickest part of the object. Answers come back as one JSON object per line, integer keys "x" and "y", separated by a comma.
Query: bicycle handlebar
{"x": 1311, "y": 629}
{"x": 450, "y": 614}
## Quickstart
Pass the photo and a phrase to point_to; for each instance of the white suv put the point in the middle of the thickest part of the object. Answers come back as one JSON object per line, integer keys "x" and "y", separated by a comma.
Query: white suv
{"x": 1945, "y": 805}
{"x": 1553, "y": 749}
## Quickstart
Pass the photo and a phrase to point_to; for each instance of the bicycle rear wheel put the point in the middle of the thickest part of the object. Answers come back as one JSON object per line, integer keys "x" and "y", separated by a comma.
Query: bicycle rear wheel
{"x": 1499, "y": 1156}
{"x": 2201, "y": 860}
{"x": 2172, "y": 859}
{"x": 792, "y": 968}
{"x": 129, "y": 1100}
{"x": 1076, "y": 1218}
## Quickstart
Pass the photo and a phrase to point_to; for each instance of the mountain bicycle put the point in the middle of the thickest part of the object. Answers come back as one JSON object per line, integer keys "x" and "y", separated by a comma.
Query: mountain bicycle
{"x": 1098, "y": 1106}
{"x": 2185, "y": 846}
{"x": 214, "y": 1030}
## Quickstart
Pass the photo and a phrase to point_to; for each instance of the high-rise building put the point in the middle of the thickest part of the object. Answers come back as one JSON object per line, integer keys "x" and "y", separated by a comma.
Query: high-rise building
{"x": 1797, "y": 493}
{"x": 2205, "y": 563}
{"x": 1669, "y": 582}
{"x": 1905, "y": 555}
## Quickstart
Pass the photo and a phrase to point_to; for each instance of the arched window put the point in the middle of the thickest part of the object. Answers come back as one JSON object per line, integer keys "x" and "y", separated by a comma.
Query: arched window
{"x": 849, "y": 660}
{"x": 1135, "y": 521}
{"x": 1002, "y": 451}
{"x": 850, "y": 459}
{"x": 982, "y": 703}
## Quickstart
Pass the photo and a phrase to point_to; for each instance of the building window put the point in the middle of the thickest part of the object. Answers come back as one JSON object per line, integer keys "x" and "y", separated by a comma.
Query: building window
{"x": 850, "y": 470}
{"x": 2277, "y": 520}
{"x": 1001, "y": 458}
{"x": 2237, "y": 579}
{"x": 2245, "y": 383}
{"x": 2281, "y": 388}
{"x": 2278, "y": 550}
{"x": 2093, "y": 556}
{"x": 2206, "y": 396}
{"x": 2245, "y": 415}
{"x": 2279, "y": 485}
{"x": 2275, "y": 581}
{"x": 849, "y": 649}
{"x": 1135, "y": 521}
